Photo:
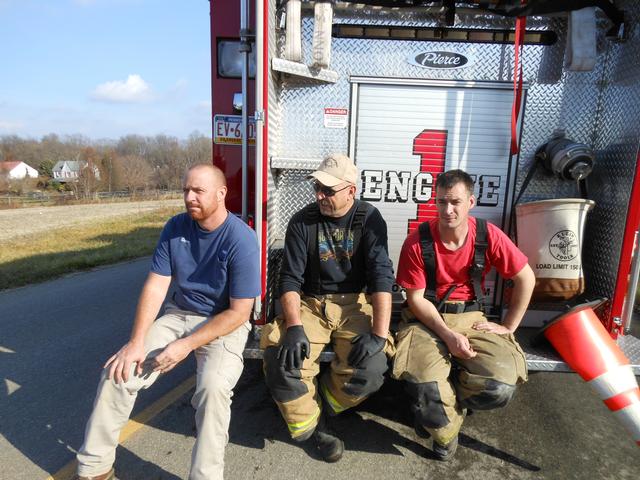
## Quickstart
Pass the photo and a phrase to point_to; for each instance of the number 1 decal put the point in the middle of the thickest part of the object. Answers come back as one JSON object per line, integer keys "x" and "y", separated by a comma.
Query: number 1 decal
{"x": 431, "y": 145}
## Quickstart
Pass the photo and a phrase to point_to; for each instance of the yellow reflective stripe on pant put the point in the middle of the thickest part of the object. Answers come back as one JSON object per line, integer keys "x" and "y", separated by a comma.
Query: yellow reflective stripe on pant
{"x": 298, "y": 428}
{"x": 331, "y": 400}
{"x": 336, "y": 321}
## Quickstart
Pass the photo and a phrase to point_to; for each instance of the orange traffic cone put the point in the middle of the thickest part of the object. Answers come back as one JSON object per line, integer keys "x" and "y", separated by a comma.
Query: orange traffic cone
{"x": 582, "y": 342}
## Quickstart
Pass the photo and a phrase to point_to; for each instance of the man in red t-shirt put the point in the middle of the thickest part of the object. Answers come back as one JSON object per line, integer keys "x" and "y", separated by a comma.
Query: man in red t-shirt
{"x": 454, "y": 361}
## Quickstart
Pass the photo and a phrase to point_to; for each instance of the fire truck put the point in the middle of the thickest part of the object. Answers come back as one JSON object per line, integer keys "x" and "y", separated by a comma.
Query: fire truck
{"x": 537, "y": 101}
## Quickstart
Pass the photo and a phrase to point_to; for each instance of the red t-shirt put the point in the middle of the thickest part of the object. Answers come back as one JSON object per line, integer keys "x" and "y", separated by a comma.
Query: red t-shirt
{"x": 452, "y": 267}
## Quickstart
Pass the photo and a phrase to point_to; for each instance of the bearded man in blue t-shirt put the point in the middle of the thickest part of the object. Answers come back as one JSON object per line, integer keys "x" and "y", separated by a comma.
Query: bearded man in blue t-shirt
{"x": 212, "y": 258}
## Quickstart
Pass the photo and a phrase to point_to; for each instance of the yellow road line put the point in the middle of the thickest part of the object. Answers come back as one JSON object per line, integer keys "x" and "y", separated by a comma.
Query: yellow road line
{"x": 136, "y": 423}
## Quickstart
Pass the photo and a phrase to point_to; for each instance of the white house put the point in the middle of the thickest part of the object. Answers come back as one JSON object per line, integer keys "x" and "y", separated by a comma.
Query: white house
{"x": 69, "y": 170}
{"x": 17, "y": 170}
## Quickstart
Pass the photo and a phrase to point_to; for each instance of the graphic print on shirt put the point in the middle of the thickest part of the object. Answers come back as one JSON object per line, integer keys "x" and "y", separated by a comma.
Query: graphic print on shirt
{"x": 335, "y": 243}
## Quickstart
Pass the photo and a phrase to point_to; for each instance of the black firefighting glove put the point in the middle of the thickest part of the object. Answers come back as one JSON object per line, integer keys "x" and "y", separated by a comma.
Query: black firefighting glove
{"x": 295, "y": 346}
{"x": 364, "y": 345}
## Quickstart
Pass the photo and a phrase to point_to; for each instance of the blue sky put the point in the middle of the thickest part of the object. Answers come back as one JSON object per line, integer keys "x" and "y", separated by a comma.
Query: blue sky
{"x": 104, "y": 68}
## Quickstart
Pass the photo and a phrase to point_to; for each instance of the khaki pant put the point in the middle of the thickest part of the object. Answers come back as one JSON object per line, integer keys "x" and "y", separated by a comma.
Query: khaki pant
{"x": 331, "y": 319}
{"x": 442, "y": 386}
{"x": 219, "y": 366}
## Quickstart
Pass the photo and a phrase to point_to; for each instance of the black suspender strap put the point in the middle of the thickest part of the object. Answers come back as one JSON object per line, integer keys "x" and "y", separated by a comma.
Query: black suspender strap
{"x": 357, "y": 226}
{"x": 476, "y": 268}
{"x": 311, "y": 220}
{"x": 429, "y": 260}
{"x": 446, "y": 296}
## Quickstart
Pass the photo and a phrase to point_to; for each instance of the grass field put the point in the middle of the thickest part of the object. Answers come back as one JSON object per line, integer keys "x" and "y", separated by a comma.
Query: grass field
{"x": 69, "y": 249}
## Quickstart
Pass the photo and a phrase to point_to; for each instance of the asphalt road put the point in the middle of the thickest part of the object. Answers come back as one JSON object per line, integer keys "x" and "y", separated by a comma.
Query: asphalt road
{"x": 55, "y": 336}
{"x": 554, "y": 429}
{"x": 54, "y": 339}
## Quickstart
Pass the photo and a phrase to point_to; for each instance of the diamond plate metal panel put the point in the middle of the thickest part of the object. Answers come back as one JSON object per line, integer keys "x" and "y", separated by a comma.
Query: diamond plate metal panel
{"x": 294, "y": 192}
{"x": 631, "y": 347}
{"x": 302, "y": 101}
{"x": 295, "y": 163}
{"x": 600, "y": 108}
{"x": 615, "y": 139}
{"x": 541, "y": 356}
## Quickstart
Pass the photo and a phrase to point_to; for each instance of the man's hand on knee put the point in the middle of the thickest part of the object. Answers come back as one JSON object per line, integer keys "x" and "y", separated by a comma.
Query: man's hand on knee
{"x": 172, "y": 355}
{"x": 364, "y": 345}
{"x": 293, "y": 348}
{"x": 491, "y": 327}
{"x": 459, "y": 346}
{"x": 119, "y": 364}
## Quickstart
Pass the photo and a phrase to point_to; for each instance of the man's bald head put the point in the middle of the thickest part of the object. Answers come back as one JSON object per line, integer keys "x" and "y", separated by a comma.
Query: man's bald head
{"x": 205, "y": 189}
{"x": 216, "y": 175}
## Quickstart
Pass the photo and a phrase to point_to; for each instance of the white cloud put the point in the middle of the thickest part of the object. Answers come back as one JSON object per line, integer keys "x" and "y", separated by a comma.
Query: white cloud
{"x": 133, "y": 90}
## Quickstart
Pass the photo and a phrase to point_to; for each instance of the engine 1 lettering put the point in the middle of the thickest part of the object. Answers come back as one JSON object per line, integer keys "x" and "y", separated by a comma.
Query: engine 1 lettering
{"x": 399, "y": 186}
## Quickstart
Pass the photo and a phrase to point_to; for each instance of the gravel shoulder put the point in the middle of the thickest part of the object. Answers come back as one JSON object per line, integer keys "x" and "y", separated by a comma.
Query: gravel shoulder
{"x": 22, "y": 222}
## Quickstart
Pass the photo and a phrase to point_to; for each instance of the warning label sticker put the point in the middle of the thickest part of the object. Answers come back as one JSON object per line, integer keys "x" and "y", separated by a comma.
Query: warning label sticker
{"x": 336, "y": 117}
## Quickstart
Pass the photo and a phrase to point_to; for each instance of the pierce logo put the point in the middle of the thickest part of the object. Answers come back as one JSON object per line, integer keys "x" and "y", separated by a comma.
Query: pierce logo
{"x": 564, "y": 246}
{"x": 439, "y": 59}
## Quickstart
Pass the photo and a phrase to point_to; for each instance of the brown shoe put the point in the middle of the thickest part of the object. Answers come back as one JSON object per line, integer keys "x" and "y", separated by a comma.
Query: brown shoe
{"x": 110, "y": 475}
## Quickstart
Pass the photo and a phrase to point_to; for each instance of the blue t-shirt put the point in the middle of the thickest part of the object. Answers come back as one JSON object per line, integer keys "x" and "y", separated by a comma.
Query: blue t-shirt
{"x": 208, "y": 268}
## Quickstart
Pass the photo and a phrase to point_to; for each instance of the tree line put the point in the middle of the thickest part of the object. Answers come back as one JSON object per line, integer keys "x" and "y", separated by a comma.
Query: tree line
{"x": 133, "y": 162}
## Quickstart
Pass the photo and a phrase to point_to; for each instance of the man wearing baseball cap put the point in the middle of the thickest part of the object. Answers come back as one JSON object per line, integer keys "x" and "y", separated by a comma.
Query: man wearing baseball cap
{"x": 335, "y": 286}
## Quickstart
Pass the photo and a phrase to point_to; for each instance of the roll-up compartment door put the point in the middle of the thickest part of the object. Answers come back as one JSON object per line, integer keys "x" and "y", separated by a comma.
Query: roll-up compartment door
{"x": 403, "y": 135}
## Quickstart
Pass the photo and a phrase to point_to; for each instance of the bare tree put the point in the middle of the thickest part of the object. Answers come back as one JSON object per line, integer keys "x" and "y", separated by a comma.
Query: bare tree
{"x": 166, "y": 158}
{"x": 197, "y": 149}
{"x": 133, "y": 172}
{"x": 17, "y": 186}
{"x": 107, "y": 169}
{"x": 4, "y": 184}
{"x": 89, "y": 175}
{"x": 132, "y": 145}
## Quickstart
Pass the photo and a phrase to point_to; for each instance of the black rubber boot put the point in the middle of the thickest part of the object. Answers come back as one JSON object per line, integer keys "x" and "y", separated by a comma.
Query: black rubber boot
{"x": 444, "y": 453}
{"x": 328, "y": 445}
{"x": 420, "y": 430}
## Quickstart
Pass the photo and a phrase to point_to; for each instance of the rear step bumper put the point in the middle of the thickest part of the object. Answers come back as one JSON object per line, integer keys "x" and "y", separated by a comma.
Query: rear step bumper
{"x": 539, "y": 358}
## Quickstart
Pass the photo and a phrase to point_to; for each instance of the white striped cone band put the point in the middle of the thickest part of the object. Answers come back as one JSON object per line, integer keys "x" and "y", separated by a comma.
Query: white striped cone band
{"x": 630, "y": 418}
{"x": 617, "y": 380}
{"x": 621, "y": 394}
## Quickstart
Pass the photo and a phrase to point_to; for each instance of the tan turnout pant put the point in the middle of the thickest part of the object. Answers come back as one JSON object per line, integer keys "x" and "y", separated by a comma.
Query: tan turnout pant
{"x": 442, "y": 386}
{"x": 219, "y": 366}
{"x": 330, "y": 319}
